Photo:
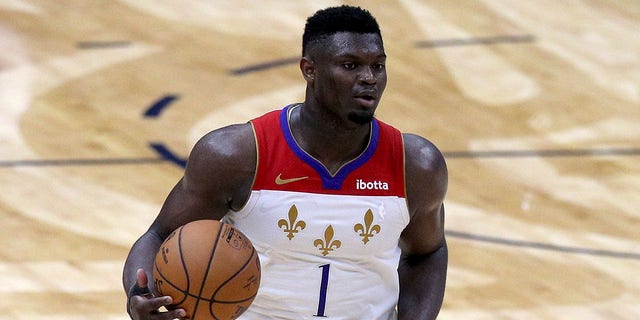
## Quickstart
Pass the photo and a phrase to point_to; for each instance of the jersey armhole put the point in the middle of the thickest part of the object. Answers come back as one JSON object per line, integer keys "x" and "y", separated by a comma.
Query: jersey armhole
{"x": 404, "y": 172}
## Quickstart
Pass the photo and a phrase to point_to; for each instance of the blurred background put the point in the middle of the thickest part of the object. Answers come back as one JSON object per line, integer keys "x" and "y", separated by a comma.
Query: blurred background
{"x": 535, "y": 105}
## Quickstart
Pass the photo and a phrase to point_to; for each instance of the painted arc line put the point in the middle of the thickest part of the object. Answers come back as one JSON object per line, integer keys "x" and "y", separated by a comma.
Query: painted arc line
{"x": 263, "y": 66}
{"x": 160, "y": 105}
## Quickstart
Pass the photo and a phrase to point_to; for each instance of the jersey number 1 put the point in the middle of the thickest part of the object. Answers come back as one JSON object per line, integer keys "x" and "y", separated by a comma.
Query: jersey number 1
{"x": 322, "y": 301}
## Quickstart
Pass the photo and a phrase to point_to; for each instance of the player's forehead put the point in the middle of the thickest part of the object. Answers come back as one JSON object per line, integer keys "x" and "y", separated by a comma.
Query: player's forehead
{"x": 352, "y": 44}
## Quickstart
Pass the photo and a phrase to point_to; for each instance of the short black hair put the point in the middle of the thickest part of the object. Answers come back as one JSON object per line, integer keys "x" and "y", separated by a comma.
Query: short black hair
{"x": 329, "y": 21}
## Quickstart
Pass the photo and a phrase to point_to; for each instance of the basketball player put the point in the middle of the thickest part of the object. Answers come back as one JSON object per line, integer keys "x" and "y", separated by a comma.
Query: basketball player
{"x": 345, "y": 211}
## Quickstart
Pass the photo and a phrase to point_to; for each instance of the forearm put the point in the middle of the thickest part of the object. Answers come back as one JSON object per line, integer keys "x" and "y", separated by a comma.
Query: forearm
{"x": 422, "y": 285}
{"x": 142, "y": 255}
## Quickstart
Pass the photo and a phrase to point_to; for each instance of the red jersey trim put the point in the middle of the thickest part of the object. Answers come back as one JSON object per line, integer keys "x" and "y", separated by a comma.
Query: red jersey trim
{"x": 283, "y": 165}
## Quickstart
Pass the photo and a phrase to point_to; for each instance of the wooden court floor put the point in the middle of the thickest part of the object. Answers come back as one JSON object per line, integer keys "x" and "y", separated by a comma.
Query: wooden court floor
{"x": 535, "y": 104}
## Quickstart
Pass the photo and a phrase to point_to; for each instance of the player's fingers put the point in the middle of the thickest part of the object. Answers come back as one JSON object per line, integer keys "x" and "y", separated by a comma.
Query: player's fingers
{"x": 177, "y": 313}
{"x": 147, "y": 308}
{"x": 148, "y": 305}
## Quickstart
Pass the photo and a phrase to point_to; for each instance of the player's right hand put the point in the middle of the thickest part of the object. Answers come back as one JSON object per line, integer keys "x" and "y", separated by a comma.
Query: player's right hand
{"x": 142, "y": 305}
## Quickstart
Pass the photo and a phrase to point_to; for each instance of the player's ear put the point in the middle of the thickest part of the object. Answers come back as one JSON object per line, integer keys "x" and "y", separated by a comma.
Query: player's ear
{"x": 308, "y": 69}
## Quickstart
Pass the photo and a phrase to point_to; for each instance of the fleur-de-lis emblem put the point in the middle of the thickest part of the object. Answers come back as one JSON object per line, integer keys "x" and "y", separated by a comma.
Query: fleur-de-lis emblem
{"x": 292, "y": 226}
{"x": 328, "y": 244}
{"x": 367, "y": 230}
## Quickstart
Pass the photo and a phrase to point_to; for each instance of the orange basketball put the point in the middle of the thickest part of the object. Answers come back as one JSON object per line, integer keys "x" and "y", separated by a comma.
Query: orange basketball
{"x": 209, "y": 268}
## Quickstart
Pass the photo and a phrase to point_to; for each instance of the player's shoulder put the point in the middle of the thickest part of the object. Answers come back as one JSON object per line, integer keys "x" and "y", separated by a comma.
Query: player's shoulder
{"x": 231, "y": 134}
{"x": 422, "y": 153}
{"x": 234, "y": 144}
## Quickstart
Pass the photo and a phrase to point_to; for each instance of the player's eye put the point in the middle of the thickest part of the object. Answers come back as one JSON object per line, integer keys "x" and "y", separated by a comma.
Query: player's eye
{"x": 349, "y": 65}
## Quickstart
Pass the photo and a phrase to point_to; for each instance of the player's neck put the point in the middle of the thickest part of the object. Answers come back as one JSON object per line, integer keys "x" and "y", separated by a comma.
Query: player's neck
{"x": 326, "y": 140}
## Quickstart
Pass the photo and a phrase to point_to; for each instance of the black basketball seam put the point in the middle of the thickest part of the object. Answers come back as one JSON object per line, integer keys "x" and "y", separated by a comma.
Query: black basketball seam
{"x": 244, "y": 266}
{"x": 184, "y": 267}
{"x": 199, "y": 298}
{"x": 186, "y": 272}
{"x": 206, "y": 274}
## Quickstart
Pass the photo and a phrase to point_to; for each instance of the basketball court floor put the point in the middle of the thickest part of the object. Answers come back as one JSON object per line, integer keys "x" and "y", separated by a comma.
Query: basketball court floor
{"x": 534, "y": 103}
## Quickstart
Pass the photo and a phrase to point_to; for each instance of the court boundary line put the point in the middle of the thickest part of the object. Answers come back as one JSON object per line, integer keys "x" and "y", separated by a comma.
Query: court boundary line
{"x": 166, "y": 155}
{"x": 544, "y": 153}
{"x": 488, "y": 40}
{"x": 542, "y": 246}
{"x": 426, "y": 44}
{"x": 79, "y": 162}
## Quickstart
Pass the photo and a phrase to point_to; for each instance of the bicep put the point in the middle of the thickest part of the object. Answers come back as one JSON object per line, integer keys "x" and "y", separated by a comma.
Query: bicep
{"x": 180, "y": 207}
{"x": 218, "y": 175}
{"x": 424, "y": 233}
{"x": 427, "y": 182}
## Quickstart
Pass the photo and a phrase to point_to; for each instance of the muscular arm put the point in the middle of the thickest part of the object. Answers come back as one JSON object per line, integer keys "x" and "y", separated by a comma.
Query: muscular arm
{"x": 423, "y": 266}
{"x": 217, "y": 178}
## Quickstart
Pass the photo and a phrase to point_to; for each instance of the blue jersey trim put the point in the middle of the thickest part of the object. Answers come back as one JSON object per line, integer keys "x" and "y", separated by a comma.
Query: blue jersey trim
{"x": 331, "y": 182}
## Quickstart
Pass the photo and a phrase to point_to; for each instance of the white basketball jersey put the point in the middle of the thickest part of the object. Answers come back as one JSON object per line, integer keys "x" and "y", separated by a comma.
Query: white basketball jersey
{"x": 328, "y": 244}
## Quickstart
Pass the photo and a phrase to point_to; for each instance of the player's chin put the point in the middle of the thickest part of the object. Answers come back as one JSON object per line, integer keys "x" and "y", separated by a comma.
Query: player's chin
{"x": 361, "y": 116}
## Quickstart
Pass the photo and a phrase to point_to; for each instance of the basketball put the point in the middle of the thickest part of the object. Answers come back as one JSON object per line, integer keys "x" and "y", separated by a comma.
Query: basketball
{"x": 209, "y": 268}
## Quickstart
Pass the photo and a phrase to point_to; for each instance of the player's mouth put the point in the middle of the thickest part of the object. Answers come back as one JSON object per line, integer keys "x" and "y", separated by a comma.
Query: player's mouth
{"x": 368, "y": 100}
